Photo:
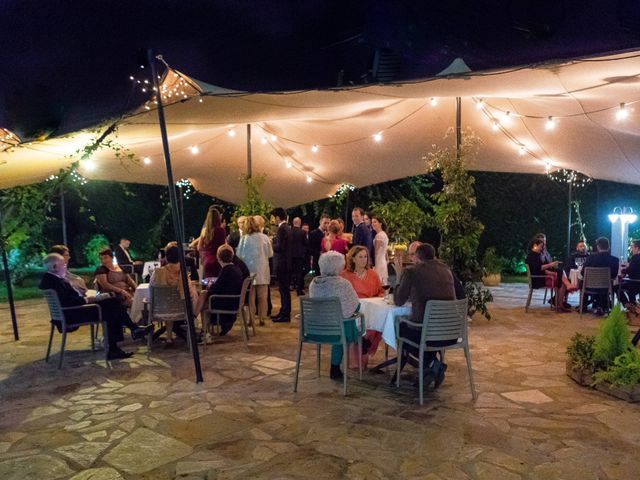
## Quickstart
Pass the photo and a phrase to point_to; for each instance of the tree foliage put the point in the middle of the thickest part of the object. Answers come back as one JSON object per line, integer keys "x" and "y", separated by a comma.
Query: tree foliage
{"x": 404, "y": 219}
{"x": 254, "y": 203}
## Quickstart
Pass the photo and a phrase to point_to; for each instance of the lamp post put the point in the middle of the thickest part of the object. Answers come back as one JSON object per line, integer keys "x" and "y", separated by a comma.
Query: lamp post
{"x": 621, "y": 218}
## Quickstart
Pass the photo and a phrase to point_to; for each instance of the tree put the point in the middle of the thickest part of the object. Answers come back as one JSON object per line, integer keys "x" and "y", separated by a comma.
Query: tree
{"x": 254, "y": 203}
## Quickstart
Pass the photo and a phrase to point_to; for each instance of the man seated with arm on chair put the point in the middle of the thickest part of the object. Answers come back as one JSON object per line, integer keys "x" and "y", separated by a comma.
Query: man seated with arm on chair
{"x": 602, "y": 258}
{"x": 428, "y": 279}
{"x": 112, "y": 310}
{"x": 124, "y": 258}
{"x": 76, "y": 281}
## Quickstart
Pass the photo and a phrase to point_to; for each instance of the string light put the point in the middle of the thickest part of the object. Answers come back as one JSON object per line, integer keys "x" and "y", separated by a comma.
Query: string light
{"x": 550, "y": 124}
{"x": 288, "y": 163}
{"x": 548, "y": 166}
{"x": 88, "y": 165}
{"x": 231, "y": 132}
{"x": 433, "y": 101}
{"x": 342, "y": 189}
{"x": 575, "y": 178}
{"x": 147, "y": 160}
{"x": 522, "y": 150}
{"x": 200, "y": 100}
{"x": 264, "y": 140}
{"x": 506, "y": 118}
{"x": 309, "y": 179}
{"x": 622, "y": 112}
{"x": 377, "y": 137}
{"x": 315, "y": 148}
{"x": 495, "y": 125}
{"x": 194, "y": 149}
{"x": 480, "y": 104}
{"x": 274, "y": 138}
{"x": 186, "y": 186}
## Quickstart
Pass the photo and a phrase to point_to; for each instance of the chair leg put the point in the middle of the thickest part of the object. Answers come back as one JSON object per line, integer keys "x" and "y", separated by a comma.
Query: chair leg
{"x": 420, "y": 376}
{"x": 581, "y": 307}
{"x": 386, "y": 352}
{"x": 318, "y": 354}
{"x": 149, "y": 340}
{"x": 526, "y": 307}
{"x": 295, "y": 379}
{"x": 345, "y": 362}
{"x": 399, "y": 363}
{"x": 245, "y": 327}
{"x": 105, "y": 340}
{"x": 467, "y": 355}
{"x": 544, "y": 299}
{"x": 64, "y": 341}
{"x": 252, "y": 319}
{"x": 46, "y": 358}
{"x": 360, "y": 356}
{"x": 93, "y": 342}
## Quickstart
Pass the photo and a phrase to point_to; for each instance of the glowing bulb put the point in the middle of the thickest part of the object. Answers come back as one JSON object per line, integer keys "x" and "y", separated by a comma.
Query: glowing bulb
{"x": 194, "y": 149}
{"x": 288, "y": 164}
{"x": 147, "y": 107}
{"x": 622, "y": 113}
{"x": 480, "y": 104}
{"x": 522, "y": 150}
{"x": 144, "y": 90}
{"x": 551, "y": 123}
{"x": 146, "y": 81}
{"x": 495, "y": 125}
{"x": 274, "y": 138}
{"x": 433, "y": 101}
{"x": 548, "y": 165}
{"x": 264, "y": 140}
{"x": 378, "y": 137}
{"x": 199, "y": 100}
{"x": 131, "y": 77}
{"x": 147, "y": 160}
{"x": 88, "y": 165}
{"x": 315, "y": 148}
{"x": 231, "y": 132}
{"x": 506, "y": 118}
{"x": 309, "y": 179}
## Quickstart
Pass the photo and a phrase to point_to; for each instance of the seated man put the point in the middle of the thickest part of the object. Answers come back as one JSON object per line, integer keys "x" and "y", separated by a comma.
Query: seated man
{"x": 229, "y": 282}
{"x": 577, "y": 258}
{"x": 630, "y": 287}
{"x": 428, "y": 279}
{"x": 124, "y": 258}
{"x": 76, "y": 281}
{"x": 112, "y": 310}
{"x": 602, "y": 258}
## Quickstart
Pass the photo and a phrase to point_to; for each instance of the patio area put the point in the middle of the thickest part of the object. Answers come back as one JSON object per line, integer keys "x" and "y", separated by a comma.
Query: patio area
{"x": 147, "y": 419}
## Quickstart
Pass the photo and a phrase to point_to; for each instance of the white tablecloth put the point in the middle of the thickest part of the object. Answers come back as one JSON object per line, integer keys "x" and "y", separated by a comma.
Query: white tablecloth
{"x": 142, "y": 293}
{"x": 379, "y": 316}
{"x": 574, "y": 276}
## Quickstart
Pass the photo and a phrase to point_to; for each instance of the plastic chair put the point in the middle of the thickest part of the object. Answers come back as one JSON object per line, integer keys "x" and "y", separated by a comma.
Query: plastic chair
{"x": 322, "y": 323}
{"x": 57, "y": 315}
{"x": 532, "y": 288}
{"x": 165, "y": 306}
{"x": 594, "y": 280}
{"x": 444, "y": 320}
{"x": 239, "y": 309}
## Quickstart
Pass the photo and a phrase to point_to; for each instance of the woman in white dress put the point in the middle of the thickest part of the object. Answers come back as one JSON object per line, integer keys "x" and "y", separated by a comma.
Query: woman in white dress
{"x": 380, "y": 244}
{"x": 255, "y": 250}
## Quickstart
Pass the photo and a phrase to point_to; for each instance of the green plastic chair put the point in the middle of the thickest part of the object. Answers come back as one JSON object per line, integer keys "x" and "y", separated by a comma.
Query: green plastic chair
{"x": 322, "y": 323}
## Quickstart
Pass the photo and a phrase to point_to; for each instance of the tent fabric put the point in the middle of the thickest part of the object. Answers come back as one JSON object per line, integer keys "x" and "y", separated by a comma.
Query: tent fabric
{"x": 582, "y": 95}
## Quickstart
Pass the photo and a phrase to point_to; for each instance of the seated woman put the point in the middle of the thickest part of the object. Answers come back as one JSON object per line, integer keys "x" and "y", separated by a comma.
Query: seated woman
{"x": 333, "y": 241}
{"x": 170, "y": 275}
{"x": 111, "y": 278}
{"x": 555, "y": 278}
{"x": 330, "y": 284}
{"x": 366, "y": 283}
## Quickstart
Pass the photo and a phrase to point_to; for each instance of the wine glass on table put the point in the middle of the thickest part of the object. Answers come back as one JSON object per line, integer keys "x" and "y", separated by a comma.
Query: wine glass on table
{"x": 386, "y": 292}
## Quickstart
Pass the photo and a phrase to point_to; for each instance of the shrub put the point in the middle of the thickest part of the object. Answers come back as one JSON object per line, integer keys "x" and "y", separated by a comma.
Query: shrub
{"x": 492, "y": 263}
{"x": 404, "y": 218}
{"x": 625, "y": 370}
{"x": 581, "y": 352}
{"x": 92, "y": 249}
{"x": 478, "y": 297}
{"x": 613, "y": 339}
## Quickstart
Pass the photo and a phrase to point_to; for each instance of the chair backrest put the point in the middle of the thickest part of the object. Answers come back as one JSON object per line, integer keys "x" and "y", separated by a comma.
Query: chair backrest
{"x": 166, "y": 302}
{"x": 445, "y": 320}
{"x": 55, "y": 307}
{"x": 596, "y": 277}
{"x": 320, "y": 316}
{"x": 244, "y": 292}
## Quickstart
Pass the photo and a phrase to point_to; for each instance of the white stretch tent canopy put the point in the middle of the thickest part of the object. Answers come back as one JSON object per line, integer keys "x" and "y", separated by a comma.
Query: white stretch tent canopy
{"x": 508, "y": 110}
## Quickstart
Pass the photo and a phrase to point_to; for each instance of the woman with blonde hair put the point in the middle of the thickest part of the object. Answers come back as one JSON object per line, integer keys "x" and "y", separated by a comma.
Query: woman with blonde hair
{"x": 364, "y": 279}
{"x": 255, "y": 250}
{"x": 333, "y": 240}
{"x": 212, "y": 236}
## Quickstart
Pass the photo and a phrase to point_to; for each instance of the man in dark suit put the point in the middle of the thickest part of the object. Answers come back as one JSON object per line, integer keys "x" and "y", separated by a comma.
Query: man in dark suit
{"x": 113, "y": 312}
{"x": 602, "y": 258}
{"x": 124, "y": 259}
{"x": 299, "y": 244}
{"x": 229, "y": 282}
{"x": 315, "y": 241}
{"x": 282, "y": 258}
{"x": 361, "y": 234}
{"x": 630, "y": 287}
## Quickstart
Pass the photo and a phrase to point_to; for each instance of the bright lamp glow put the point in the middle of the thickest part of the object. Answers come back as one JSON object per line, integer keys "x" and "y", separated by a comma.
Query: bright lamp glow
{"x": 309, "y": 179}
{"x": 194, "y": 149}
{"x": 288, "y": 164}
{"x": 147, "y": 160}
{"x": 231, "y": 132}
{"x": 274, "y": 138}
{"x": 378, "y": 137}
{"x": 88, "y": 165}
{"x": 433, "y": 101}
{"x": 480, "y": 104}
{"x": 550, "y": 124}
{"x": 623, "y": 112}
{"x": 264, "y": 140}
{"x": 315, "y": 148}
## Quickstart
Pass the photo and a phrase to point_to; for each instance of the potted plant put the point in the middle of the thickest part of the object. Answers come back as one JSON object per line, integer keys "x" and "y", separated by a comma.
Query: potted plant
{"x": 492, "y": 265}
{"x": 581, "y": 361}
{"x": 622, "y": 378}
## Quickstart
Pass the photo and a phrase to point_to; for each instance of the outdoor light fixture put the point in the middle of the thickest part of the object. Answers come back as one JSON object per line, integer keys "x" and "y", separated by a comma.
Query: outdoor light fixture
{"x": 551, "y": 123}
{"x": 480, "y": 104}
{"x": 231, "y": 132}
{"x": 264, "y": 140}
{"x": 622, "y": 112}
{"x": 194, "y": 149}
{"x": 315, "y": 148}
{"x": 88, "y": 165}
{"x": 495, "y": 125}
{"x": 147, "y": 160}
{"x": 273, "y": 138}
{"x": 433, "y": 101}
{"x": 378, "y": 137}
{"x": 288, "y": 164}
{"x": 309, "y": 179}
{"x": 624, "y": 214}
{"x": 620, "y": 219}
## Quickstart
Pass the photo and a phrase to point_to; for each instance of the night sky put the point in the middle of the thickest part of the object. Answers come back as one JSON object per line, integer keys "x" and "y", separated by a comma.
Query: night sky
{"x": 66, "y": 65}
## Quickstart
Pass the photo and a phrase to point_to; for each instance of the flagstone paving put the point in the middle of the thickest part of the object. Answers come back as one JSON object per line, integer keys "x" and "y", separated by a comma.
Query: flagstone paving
{"x": 145, "y": 418}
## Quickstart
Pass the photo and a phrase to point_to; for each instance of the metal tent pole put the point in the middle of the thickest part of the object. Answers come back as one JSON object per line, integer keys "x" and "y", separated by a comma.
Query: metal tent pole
{"x": 63, "y": 216}
{"x": 7, "y": 279}
{"x": 569, "y": 221}
{"x": 249, "y": 173}
{"x": 458, "y": 126}
{"x": 176, "y": 219}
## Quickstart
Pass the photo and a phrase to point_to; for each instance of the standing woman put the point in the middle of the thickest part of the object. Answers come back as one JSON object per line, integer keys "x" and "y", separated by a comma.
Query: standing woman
{"x": 380, "y": 244}
{"x": 213, "y": 235}
{"x": 334, "y": 241}
{"x": 255, "y": 250}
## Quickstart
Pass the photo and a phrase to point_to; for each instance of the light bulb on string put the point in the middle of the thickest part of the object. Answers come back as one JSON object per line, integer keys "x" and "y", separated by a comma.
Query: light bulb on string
{"x": 480, "y": 104}
{"x": 231, "y": 132}
{"x": 264, "y": 140}
{"x": 547, "y": 166}
{"x": 200, "y": 100}
{"x": 309, "y": 179}
{"x": 622, "y": 112}
{"x": 495, "y": 125}
{"x": 433, "y": 101}
{"x": 274, "y": 138}
{"x": 194, "y": 149}
{"x": 147, "y": 160}
{"x": 288, "y": 164}
{"x": 377, "y": 136}
{"x": 88, "y": 165}
{"x": 506, "y": 118}
{"x": 315, "y": 148}
{"x": 522, "y": 150}
{"x": 550, "y": 123}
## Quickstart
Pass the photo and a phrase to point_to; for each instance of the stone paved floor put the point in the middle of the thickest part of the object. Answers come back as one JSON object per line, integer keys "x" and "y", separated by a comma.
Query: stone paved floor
{"x": 147, "y": 419}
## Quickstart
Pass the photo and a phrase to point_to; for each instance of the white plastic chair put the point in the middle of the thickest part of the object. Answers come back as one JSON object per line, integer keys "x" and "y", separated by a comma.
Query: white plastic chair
{"x": 444, "y": 320}
{"x": 240, "y": 309}
{"x": 594, "y": 280}
{"x": 322, "y": 323}
{"x": 57, "y": 315}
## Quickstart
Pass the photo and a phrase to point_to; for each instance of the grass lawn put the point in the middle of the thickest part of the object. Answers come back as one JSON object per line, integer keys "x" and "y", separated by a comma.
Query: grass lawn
{"x": 514, "y": 279}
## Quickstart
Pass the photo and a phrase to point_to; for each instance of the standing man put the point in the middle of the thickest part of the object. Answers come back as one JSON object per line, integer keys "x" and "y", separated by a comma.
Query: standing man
{"x": 298, "y": 252}
{"x": 361, "y": 234}
{"x": 315, "y": 241}
{"x": 282, "y": 258}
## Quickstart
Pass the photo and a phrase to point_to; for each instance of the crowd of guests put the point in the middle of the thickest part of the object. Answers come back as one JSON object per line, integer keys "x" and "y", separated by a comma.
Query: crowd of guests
{"x": 553, "y": 274}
